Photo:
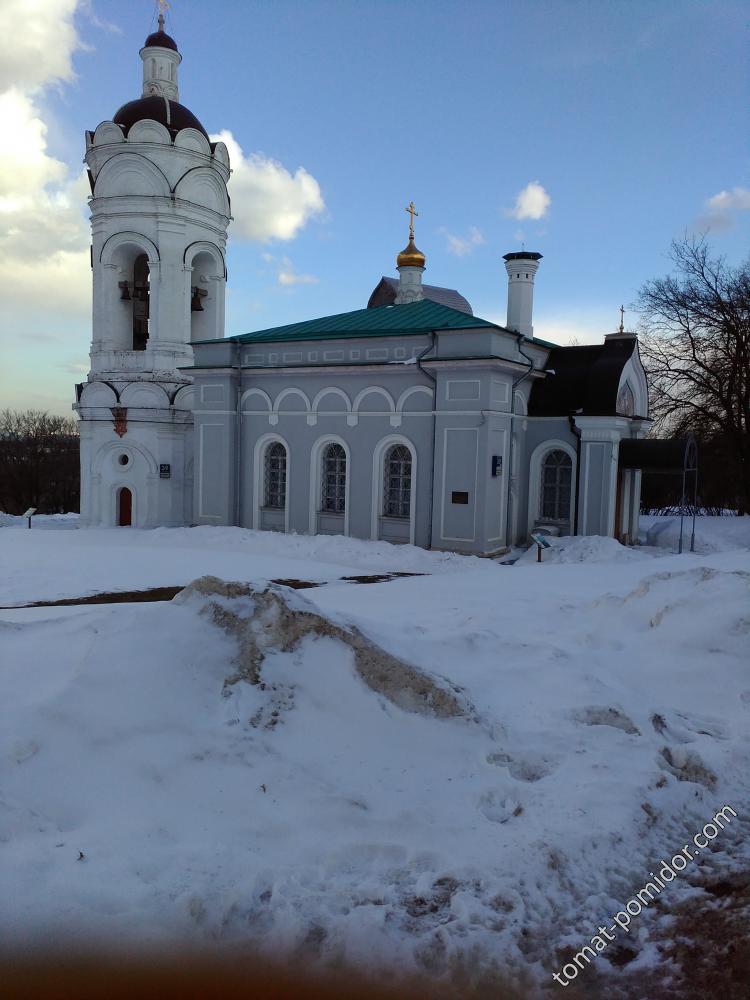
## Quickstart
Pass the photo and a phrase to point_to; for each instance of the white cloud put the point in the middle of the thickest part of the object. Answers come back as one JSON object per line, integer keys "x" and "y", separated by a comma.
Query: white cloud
{"x": 268, "y": 202}
{"x": 463, "y": 245}
{"x": 286, "y": 276}
{"x": 737, "y": 200}
{"x": 37, "y": 42}
{"x": 44, "y": 235}
{"x": 722, "y": 208}
{"x": 532, "y": 202}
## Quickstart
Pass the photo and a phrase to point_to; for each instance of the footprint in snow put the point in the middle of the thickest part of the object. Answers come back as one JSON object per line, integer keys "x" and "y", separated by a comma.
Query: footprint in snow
{"x": 498, "y": 808}
{"x": 602, "y": 715}
{"x": 684, "y": 728}
{"x": 686, "y": 765}
{"x": 523, "y": 767}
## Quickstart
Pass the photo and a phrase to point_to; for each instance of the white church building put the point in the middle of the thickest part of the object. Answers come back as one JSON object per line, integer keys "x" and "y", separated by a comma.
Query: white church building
{"x": 410, "y": 420}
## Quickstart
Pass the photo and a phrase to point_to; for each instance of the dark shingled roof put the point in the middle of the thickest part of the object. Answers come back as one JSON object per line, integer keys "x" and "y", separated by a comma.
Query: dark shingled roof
{"x": 162, "y": 40}
{"x": 386, "y": 290}
{"x": 159, "y": 109}
{"x": 586, "y": 379}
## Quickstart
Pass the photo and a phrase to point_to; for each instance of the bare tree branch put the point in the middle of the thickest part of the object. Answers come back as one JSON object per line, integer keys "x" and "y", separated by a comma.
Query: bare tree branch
{"x": 696, "y": 349}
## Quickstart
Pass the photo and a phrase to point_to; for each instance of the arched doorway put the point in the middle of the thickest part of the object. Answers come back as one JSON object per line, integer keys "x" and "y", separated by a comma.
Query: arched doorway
{"x": 124, "y": 507}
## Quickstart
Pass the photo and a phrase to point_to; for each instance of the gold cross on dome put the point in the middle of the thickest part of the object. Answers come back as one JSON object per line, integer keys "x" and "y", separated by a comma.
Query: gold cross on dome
{"x": 163, "y": 8}
{"x": 622, "y": 319}
{"x": 412, "y": 212}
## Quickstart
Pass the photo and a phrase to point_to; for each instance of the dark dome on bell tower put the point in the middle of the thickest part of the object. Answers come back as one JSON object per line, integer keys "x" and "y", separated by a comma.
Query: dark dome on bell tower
{"x": 161, "y": 40}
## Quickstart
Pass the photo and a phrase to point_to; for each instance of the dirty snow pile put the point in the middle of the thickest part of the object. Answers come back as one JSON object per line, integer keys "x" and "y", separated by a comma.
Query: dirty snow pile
{"x": 480, "y": 764}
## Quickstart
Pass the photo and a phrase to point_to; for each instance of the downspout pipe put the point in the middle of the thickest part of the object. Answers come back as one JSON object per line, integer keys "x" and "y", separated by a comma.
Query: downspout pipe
{"x": 433, "y": 379}
{"x": 576, "y": 430}
{"x": 521, "y": 378}
{"x": 238, "y": 448}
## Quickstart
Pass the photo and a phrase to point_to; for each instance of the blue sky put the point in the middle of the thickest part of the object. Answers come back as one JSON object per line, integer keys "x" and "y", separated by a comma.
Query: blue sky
{"x": 629, "y": 115}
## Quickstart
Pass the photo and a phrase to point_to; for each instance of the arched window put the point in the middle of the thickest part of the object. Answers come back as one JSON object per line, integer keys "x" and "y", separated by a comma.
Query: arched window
{"x": 397, "y": 482}
{"x": 557, "y": 477}
{"x": 274, "y": 492}
{"x": 333, "y": 480}
{"x": 626, "y": 401}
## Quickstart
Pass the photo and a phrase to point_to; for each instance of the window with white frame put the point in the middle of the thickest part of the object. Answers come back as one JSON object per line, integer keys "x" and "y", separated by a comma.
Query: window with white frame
{"x": 333, "y": 480}
{"x": 397, "y": 481}
{"x": 557, "y": 477}
{"x": 274, "y": 493}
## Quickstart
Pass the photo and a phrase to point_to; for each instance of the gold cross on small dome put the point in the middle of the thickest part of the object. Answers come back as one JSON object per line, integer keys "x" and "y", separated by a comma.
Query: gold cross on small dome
{"x": 412, "y": 212}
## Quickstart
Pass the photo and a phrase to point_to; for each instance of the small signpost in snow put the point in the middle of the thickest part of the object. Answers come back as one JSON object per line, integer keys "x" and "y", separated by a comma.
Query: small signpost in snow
{"x": 29, "y": 514}
{"x": 541, "y": 543}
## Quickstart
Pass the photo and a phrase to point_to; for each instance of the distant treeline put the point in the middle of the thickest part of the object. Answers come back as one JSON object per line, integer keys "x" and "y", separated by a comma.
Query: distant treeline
{"x": 39, "y": 462}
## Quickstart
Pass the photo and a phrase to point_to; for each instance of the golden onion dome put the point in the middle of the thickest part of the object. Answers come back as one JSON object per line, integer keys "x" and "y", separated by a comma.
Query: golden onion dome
{"x": 410, "y": 256}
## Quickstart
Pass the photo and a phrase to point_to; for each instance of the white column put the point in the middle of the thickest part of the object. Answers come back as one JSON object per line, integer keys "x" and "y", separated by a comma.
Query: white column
{"x": 521, "y": 268}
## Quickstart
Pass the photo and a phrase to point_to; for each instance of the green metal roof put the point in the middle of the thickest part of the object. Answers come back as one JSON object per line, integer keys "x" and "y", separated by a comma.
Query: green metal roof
{"x": 381, "y": 321}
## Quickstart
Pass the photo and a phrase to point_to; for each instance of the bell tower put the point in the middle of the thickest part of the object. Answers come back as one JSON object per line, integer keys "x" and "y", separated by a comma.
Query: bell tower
{"x": 159, "y": 218}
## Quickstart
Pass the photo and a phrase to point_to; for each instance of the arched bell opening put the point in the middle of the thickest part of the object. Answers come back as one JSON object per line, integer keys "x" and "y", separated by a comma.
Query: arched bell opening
{"x": 206, "y": 296}
{"x": 141, "y": 302}
{"x": 129, "y": 317}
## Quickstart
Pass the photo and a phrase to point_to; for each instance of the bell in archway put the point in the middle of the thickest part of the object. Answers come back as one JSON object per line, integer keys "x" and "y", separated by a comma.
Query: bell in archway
{"x": 195, "y": 301}
{"x": 124, "y": 291}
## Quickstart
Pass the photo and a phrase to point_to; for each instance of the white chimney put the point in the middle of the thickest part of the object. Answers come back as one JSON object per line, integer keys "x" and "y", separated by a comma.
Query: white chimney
{"x": 521, "y": 268}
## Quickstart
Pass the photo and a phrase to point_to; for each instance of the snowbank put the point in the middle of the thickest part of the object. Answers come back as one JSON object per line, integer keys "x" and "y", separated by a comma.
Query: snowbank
{"x": 712, "y": 534}
{"x": 40, "y": 522}
{"x": 51, "y": 566}
{"x": 143, "y": 799}
{"x": 279, "y": 620}
{"x": 585, "y": 549}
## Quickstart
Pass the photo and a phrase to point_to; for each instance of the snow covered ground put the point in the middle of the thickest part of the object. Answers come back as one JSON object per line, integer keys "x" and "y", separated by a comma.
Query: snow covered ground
{"x": 607, "y": 713}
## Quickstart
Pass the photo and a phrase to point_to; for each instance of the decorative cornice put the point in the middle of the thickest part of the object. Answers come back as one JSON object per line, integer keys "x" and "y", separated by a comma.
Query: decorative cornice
{"x": 610, "y": 429}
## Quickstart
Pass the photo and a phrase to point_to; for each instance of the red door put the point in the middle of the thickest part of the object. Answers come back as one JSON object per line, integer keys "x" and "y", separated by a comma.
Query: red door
{"x": 124, "y": 507}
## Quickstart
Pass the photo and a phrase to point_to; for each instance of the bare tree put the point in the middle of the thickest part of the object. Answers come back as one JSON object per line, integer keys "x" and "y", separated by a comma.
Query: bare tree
{"x": 39, "y": 462}
{"x": 696, "y": 349}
